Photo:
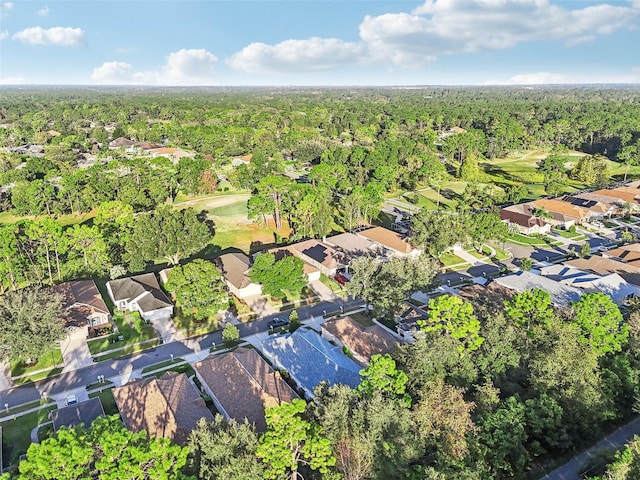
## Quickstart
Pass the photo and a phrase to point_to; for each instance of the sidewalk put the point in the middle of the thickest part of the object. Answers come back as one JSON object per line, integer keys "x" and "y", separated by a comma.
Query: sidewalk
{"x": 572, "y": 469}
{"x": 468, "y": 258}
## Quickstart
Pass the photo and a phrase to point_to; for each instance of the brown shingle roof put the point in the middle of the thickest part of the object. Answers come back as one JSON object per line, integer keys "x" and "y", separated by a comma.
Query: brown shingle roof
{"x": 244, "y": 384}
{"x": 519, "y": 218}
{"x": 120, "y": 142}
{"x": 387, "y": 238}
{"x": 80, "y": 299}
{"x": 234, "y": 267}
{"x": 282, "y": 252}
{"x": 605, "y": 266}
{"x": 362, "y": 341}
{"x": 323, "y": 254}
{"x": 619, "y": 194}
{"x": 561, "y": 207}
{"x": 167, "y": 407}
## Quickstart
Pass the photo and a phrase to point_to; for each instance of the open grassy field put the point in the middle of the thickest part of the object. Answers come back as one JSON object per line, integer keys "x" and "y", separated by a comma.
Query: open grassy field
{"x": 520, "y": 169}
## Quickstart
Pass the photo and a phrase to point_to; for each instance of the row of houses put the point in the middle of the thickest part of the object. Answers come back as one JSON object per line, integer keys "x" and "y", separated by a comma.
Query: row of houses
{"x": 151, "y": 149}
{"x": 240, "y": 383}
{"x": 329, "y": 256}
{"x": 539, "y": 216}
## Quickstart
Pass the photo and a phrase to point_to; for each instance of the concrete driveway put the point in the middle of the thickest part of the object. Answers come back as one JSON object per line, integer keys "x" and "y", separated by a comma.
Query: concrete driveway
{"x": 75, "y": 351}
{"x": 165, "y": 328}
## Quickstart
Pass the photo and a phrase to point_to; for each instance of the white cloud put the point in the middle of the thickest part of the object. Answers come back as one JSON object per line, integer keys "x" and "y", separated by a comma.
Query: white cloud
{"x": 4, "y": 34}
{"x": 5, "y": 7}
{"x": 441, "y": 27}
{"x": 296, "y": 55}
{"x": 13, "y": 81}
{"x": 59, "y": 36}
{"x": 43, "y": 12}
{"x": 113, "y": 73}
{"x": 545, "y": 78}
{"x": 184, "y": 67}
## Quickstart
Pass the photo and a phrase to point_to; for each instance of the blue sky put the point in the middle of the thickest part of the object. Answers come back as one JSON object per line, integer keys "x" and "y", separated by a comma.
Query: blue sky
{"x": 309, "y": 42}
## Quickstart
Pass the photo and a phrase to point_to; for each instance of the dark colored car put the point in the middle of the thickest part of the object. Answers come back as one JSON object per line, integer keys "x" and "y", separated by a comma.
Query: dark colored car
{"x": 341, "y": 279}
{"x": 277, "y": 323}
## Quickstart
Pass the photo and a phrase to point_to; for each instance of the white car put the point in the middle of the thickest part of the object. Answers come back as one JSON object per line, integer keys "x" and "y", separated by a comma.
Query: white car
{"x": 71, "y": 399}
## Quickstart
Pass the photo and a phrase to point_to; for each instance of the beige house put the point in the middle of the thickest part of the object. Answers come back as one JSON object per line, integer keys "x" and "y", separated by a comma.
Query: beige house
{"x": 235, "y": 271}
{"x": 394, "y": 242}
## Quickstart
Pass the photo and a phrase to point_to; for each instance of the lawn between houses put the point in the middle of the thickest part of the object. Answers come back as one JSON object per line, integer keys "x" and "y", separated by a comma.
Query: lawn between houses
{"x": 126, "y": 323}
{"x": 49, "y": 363}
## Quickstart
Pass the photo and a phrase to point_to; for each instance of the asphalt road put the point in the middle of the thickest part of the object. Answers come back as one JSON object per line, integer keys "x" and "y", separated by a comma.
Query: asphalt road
{"x": 110, "y": 368}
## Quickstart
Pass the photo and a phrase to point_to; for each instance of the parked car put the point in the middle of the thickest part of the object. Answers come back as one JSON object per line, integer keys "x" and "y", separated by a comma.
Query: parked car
{"x": 71, "y": 399}
{"x": 277, "y": 323}
{"x": 341, "y": 279}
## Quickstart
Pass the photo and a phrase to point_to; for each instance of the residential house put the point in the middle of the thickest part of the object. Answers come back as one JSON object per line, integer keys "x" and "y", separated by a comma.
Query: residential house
{"x": 362, "y": 342}
{"x": 626, "y": 253}
{"x": 604, "y": 266}
{"x": 490, "y": 296}
{"x": 407, "y": 322}
{"x": 242, "y": 385}
{"x": 561, "y": 295}
{"x": 612, "y": 284}
{"x": 612, "y": 203}
{"x": 312, "y": 272}
{"x": 84, "y": 308}
{"x": 522, "y": 217}
{"x": 166, "y": 407}
{"x": 123, "y": 143}
{"x": 563, "y": 214}
{"x": 173, "y": 154}
{"x": 350, "y": 246}
{"x": 623, "y": 196}
{"x": 244, "y": 160}
{"x": 81, "y": 413}
{"x": 394, "y": 242}
{"x": 309, "y": 360}
{"x": 598, "y": 208}
{"x": 235, "y": 271}
{"x": 319, "y": 255}
{"x": 140, "y": 293}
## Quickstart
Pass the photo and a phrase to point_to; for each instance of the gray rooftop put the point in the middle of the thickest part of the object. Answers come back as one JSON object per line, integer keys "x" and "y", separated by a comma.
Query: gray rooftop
{"x": 561, "y": 295}
{"x": 310, "y": 359}
{"x": 81, "y": 413}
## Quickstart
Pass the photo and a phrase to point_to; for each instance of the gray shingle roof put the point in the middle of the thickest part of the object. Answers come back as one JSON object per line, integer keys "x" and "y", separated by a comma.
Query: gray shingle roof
{"x": 310, "y": 359}
{"x": 132, "y": 287}
{"x": 561, "y": 295}
{"x": 83, "y": 412}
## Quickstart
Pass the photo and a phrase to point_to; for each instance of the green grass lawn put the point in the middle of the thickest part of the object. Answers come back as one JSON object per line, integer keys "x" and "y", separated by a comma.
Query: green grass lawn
{"x": 473, "y": 252}
{"x": 48, "y": 361}
{"x": 447, "y": 259}
{"x": 17, "y": 434}
{"x": 162, "y": 365}
{"x": 22, "y": 408}
{"x": 237, "y": 208}
{"x": 129, "y": 349}
{"x": 190, "y": 326}
{"x": 131, "y": 335}
{"x": 362, "y": 319}
{"x": 520, "y": 239}
{"x": 569, "y": 235}
{"x": 501, "y": 254}
{"x": 331, "y": 283}
{"x": 108, "y": 402}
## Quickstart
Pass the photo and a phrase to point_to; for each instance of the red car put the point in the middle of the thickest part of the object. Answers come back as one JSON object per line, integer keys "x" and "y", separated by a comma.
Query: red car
{"x": 341, "y": 279}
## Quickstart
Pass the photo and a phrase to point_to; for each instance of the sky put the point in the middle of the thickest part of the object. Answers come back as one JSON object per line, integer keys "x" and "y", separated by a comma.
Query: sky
{"x": 318, "y": 43}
